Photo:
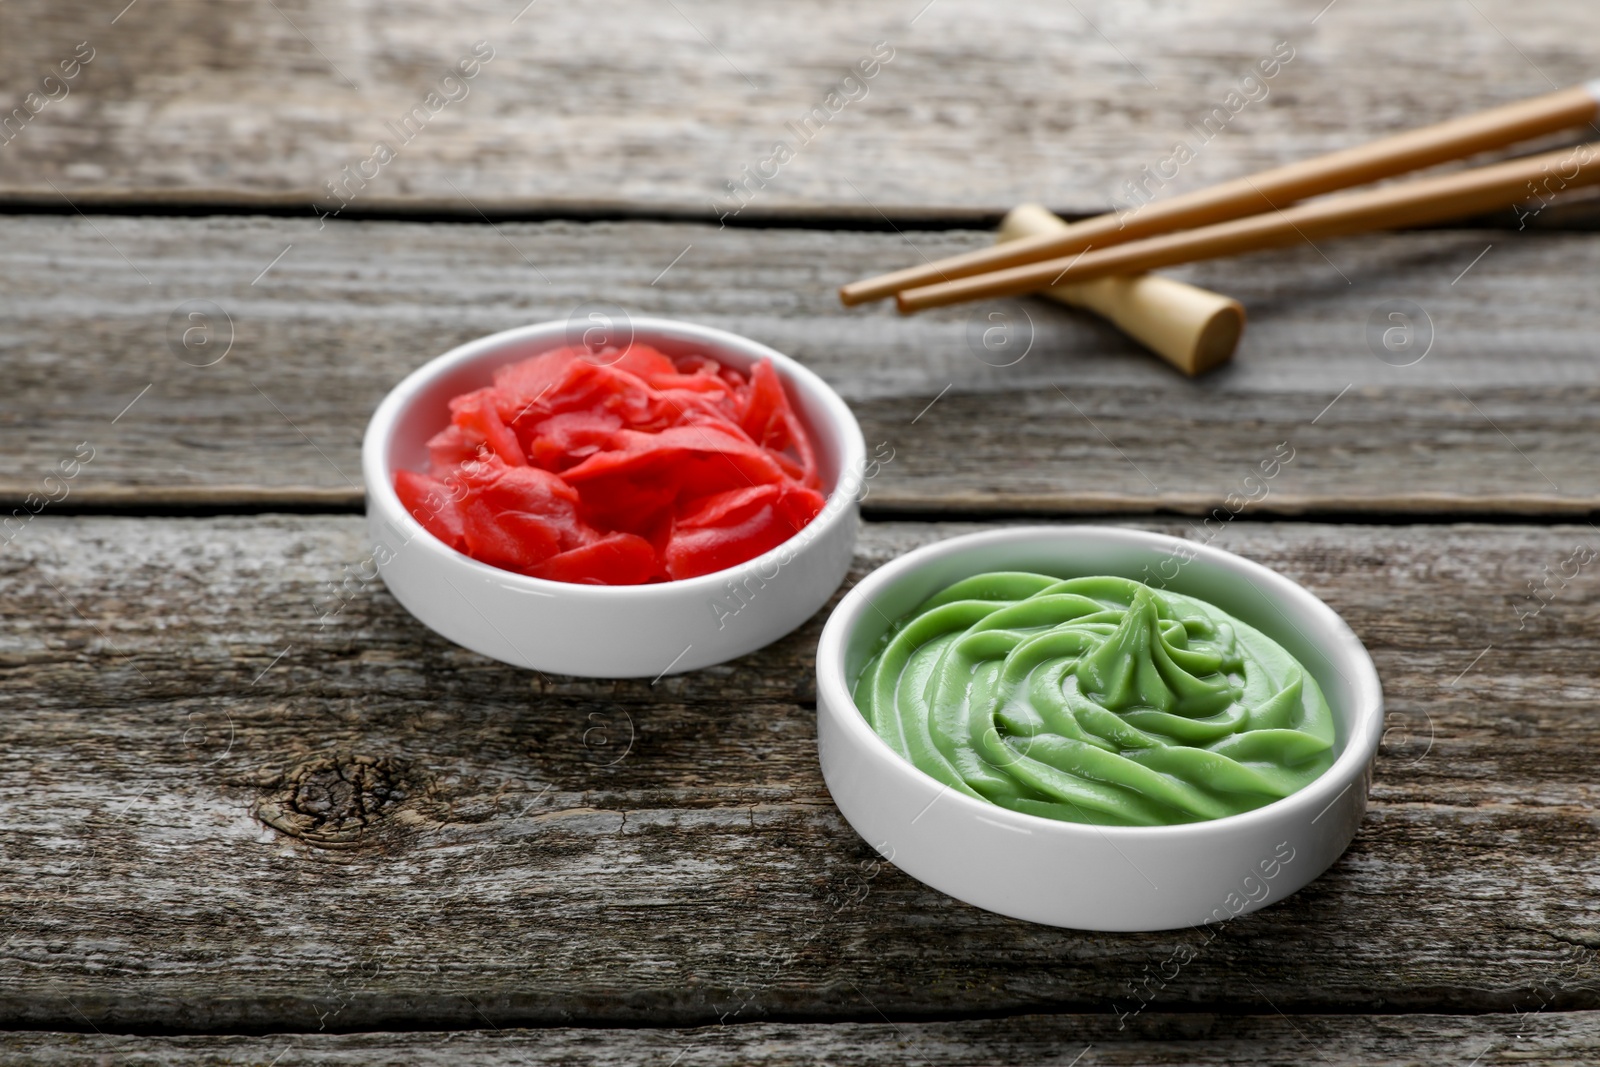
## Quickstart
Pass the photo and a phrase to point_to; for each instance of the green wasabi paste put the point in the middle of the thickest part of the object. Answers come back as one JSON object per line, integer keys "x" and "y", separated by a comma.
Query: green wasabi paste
{"x": 1095, "y": 700}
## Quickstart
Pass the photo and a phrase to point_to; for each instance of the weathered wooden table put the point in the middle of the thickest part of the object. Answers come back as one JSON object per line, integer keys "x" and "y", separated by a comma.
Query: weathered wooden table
{"x": 251, "y": 811}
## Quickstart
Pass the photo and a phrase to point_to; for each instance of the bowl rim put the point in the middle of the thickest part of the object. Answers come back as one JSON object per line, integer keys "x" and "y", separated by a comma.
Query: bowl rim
{"x": 1365, "y": 726}
{"x": 837, "y": 505}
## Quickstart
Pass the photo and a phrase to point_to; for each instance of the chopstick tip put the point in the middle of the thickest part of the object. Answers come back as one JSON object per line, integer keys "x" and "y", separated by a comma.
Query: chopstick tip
{"x": 853, "y": 293}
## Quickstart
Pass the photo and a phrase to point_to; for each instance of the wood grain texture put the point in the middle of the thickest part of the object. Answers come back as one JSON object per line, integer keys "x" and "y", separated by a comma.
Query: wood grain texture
{"x": 230, "y": 807}
{"x": 1498, "y": 417}
{"x": 1376, "y": 1040}
{"x": 629, "y": 105}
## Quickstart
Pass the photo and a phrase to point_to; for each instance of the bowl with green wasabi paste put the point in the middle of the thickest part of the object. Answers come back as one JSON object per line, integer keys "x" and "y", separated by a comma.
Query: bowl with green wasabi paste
{"x": 1095, "y": 727}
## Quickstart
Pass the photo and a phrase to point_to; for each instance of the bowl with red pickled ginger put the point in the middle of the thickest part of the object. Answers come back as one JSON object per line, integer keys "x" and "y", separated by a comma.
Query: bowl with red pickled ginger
{"x": 670, "y": 501}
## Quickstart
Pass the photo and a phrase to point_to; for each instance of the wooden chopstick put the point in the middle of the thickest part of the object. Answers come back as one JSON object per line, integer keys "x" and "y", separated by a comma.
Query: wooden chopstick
{"x": 1384, "y": 158}
{"x": 1413, "y": 203}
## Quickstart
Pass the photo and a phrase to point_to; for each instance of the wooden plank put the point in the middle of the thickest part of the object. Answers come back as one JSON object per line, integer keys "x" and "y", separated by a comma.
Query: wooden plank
{"x": 1496, "y": 418}
{"x": 223, "y": 812}
{"x": 629, "y": 105}
{"x": 1555, "y": 1038}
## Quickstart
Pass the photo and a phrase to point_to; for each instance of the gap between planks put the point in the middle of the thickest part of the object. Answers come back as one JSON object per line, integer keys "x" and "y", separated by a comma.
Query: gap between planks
{"x": 1174, "y": 1016}
{"x": 1579, "y": 216}
{"x": 1406, "y": 510}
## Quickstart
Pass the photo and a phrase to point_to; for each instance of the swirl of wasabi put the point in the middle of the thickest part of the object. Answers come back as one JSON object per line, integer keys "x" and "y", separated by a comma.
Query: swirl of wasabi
{"x": 1095, "y": 700}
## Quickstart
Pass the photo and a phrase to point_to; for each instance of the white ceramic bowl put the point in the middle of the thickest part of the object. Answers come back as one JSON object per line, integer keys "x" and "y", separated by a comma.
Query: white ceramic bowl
{"x": 606, "y": 631}
{"x": 1073, "y": 874}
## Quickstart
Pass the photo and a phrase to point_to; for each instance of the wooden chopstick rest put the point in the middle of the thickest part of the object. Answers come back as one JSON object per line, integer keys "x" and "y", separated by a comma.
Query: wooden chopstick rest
{"x": 1191, "y": 328}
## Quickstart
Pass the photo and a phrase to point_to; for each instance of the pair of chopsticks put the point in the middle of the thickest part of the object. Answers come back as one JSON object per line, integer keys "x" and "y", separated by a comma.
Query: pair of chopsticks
{"x": 1262, "y": 211}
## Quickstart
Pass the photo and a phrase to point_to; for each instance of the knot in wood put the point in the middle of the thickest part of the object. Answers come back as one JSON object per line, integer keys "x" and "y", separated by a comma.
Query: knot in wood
{"x": 331, "y": 801}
